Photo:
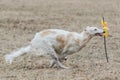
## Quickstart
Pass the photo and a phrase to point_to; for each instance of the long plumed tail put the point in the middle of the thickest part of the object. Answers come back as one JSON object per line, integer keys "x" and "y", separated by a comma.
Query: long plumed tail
{"x": 9, "y": 57}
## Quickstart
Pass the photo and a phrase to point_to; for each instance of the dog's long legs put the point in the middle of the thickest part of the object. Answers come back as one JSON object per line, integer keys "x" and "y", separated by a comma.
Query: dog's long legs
{"x": 55, "y": 60}
{"x": 47, "y": 49}
{"x": 52, "y": 63}
{"x": 59, "y": 64}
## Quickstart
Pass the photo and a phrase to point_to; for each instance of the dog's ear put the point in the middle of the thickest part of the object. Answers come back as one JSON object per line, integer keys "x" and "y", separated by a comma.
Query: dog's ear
{"x": 87, "y": 28}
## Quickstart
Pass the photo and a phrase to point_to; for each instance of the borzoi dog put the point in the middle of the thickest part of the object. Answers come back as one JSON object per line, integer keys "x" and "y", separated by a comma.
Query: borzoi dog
{"x": 56, "y": 44}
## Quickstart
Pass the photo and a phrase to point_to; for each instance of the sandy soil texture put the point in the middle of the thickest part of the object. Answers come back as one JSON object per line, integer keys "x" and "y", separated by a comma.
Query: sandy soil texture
{"x": 21, "y": 19}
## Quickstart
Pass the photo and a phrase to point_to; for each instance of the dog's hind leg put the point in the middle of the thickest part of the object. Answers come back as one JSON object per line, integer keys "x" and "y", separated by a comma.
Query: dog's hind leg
{"x": 55, "y": 60}
{"x": 49, "y": 51}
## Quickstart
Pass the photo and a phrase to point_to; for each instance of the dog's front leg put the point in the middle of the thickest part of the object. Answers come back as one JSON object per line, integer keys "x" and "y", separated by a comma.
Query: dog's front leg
{"x": 52, "y": 63}
{"x": 62, "y": 58}
{"x": 56, "y": 61}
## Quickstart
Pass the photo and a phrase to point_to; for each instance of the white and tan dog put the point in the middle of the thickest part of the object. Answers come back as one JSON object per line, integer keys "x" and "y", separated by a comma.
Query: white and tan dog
{"x": 56, "y": 44}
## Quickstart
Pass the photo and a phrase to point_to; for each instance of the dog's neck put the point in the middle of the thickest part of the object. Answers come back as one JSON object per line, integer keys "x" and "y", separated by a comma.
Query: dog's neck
{"x": 85, "y": 36}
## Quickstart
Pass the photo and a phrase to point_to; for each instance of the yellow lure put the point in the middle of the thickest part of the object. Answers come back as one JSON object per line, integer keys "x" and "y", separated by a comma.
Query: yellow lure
{"x": 105, "y": 28}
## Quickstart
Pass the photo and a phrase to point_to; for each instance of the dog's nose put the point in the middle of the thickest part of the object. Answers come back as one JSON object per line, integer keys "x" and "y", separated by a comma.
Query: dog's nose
{"x": 103, "y": 31}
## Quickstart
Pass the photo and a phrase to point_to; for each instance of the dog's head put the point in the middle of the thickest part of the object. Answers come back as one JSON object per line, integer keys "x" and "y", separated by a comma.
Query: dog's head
{"x": 94, "y": 31}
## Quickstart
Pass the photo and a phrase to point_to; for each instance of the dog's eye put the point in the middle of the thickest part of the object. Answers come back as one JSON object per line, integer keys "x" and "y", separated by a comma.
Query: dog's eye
{"x": 95, "y": 29}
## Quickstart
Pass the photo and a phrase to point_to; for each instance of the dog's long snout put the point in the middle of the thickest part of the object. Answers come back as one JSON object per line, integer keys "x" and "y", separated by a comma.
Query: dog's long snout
{"x": 102, "y": 31}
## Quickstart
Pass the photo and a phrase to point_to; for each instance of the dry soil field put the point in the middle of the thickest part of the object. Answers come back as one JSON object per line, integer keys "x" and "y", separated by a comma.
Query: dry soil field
{"x": 21, "y": 19}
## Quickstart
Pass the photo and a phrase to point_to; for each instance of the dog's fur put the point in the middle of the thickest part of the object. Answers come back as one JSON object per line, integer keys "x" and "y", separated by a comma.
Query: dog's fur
{"x": 56, "y": 44}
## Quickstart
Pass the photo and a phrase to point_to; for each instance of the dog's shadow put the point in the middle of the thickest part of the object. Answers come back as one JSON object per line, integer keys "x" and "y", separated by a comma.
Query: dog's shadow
{"x": 34, "y": 67}
{"x": 28, "y": 66}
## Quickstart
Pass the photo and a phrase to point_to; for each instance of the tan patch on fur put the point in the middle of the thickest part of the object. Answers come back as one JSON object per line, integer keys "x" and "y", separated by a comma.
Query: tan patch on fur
{"x": 77, "y": 41}
{"x": 61, "y": 40}
{"x": 69, "y": 37}
{"x": 47, "y": 32}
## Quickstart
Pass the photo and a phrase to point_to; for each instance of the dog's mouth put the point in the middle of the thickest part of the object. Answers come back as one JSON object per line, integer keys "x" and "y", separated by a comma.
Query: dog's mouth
{"x": 98, "y": 34}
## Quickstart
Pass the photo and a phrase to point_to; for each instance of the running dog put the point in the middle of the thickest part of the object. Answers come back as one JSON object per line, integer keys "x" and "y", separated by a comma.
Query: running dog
{"x": 56, "y": 44}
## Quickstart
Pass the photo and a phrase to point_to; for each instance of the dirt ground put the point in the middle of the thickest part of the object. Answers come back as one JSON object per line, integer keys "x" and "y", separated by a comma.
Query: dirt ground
{"x": 21, "y": 19}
